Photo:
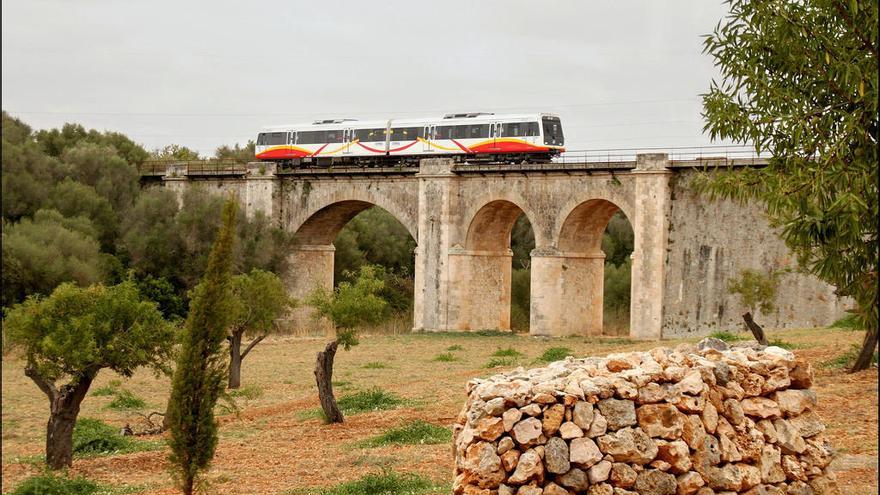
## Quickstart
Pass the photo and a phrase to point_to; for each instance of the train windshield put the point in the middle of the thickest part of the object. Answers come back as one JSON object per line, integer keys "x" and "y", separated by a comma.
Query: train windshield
{"x": 552, "y": 131}
{"x": 271, "y": 138}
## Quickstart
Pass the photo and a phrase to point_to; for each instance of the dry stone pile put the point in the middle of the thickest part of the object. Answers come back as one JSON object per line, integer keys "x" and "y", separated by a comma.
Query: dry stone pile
{"x": 694, "y": 420}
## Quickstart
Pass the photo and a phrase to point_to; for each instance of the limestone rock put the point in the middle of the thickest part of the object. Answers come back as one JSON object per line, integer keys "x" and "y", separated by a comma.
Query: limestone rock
{"x": 629, "y": 445}
{"x": 510, "y": 418}
{"x": 654, "y": 482}
{"x": 483, "y": 465}
{"x": 661, "y": 420}
{"x": 552, "y": 419}
{"x": 584, "y": 452}
{"x": 622, "y": 475}
{"x": 527, "y": 431}
{"x": 528, "y": 468}
{"x": 788, "y": 438}
{"x": 490, "y": 429}
{"x": 569, "y": 430}
{"x": 725, "y": 477}
{"x": 677, "y": 455}
{"x": 504, "y": 445}
{"x": 599, "y": 472}
{"x": 575, "y": 479}
{"x": 761, "y": 407}
{"x": 554, "y": 489}
{"x": 556, "y": 455}
{"x": 691, "y": 383}
{"x": 582, "y": 415}
{"x": 794, "y": 402}
{"x": 509, "y": 460}
{"x": 689, "y": 483}
{"x": 618, "y": 413}
{"x": 599, "y": 426}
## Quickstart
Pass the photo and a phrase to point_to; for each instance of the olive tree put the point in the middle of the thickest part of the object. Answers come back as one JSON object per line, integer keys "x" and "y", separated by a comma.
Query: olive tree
{"x": 799, "y": 81}
{"x": 349, "y": 305}
{"x": 258, "y": 299}
{"x": 73, "y": 334}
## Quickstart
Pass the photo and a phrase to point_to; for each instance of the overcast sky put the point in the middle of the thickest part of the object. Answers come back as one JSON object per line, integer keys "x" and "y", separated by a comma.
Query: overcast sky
{"x": 624, "y": 74}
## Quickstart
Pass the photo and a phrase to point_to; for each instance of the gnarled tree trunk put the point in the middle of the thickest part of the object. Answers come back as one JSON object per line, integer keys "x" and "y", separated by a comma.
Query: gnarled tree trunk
{"x": 236, "y": 356}
{"x": 867, "y": 352}
{"x": 324, "y": 378}
{"x": 756, "y": 329}
{"x": 64, "y": 406}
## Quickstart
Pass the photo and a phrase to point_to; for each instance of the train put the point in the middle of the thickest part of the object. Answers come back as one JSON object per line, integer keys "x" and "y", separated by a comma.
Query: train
{"x": 465, "y": 137}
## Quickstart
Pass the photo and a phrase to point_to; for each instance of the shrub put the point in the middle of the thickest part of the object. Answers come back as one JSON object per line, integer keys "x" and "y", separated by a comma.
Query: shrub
{"x": 848, "y": 322}
{"x": 126, "y": 400}
{"x": 445, "y": 357}
{"x": 555, "y": 354}
{"x": 725, "y": 336}
{"x": 92, "y": 437}
{"x": 50, "y": 484}
{"x": 415, "y": 433}
{"x": 374, "y": 399}
{"x": 249, "y": 392}
{"x": 385, "y": 483}
{"x": 375, "y": 365}
{"x": 496, "y": 362}
{"x": 455, "y": 347}
{"x": 508, "y": 352}
{"x": 108, "y": 390}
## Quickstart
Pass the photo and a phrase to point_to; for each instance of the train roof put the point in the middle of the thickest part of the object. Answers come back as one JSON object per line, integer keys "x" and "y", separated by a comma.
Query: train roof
{"x": 449, "y": 119}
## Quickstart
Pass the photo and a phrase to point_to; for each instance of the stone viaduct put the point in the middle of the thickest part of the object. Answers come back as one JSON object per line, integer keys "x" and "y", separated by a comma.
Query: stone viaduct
{"x": 461, "y": 216}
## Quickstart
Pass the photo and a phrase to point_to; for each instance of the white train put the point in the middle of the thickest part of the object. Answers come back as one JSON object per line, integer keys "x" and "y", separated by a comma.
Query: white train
{"x": 466, "y": 136}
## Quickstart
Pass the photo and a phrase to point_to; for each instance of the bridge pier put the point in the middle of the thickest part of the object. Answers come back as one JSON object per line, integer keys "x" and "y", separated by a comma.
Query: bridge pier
{"x": 479, "y": 296}
{"x": 311, "y": 268}
{"x": 566, "y": 293}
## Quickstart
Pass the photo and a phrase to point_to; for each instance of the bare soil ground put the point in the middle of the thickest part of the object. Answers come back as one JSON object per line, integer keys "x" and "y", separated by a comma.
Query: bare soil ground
{"x": 269, "y": 448}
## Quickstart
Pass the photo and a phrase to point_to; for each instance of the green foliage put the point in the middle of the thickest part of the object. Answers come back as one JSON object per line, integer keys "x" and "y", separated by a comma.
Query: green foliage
{"x": 258, "y": 299}
{"x": 522, "y": 241}
{"x": 417, "y": 432}
{"x": 163, "y": 293}
{"x": 201, "y": 364}
{"x": 520, "y": 294}
{"x": 725, "y": 336}
{"x": 756, "y": 289}
{"x": 799, "y": 81}
{"x": 445, "y": 357}
{"x": 555, "y": 354}
{"x": 41, "y": 253}
{"x": 847, "y": 359}
{"x": 374, "y": 399}
{"x": 617, "y": 292}
{"x": 73, "y": 199}
{"x": 51, "y": 484}
{"x": 102, "y": 168}
{"x": 508, "y": 352}
{"x": 92, "y": 437}
{"x": 375, "y": 365}
{"x": 174, "y": 152}
{"x": 783, "y": 344}
{"x": 249, "y": 392}
{"x": 109, "y": 390}
{"x": 81, "y": 330}
{"x": 57, "y": 141}
{"x": 240, "y": 154}
{"x": 848, "y": 322}
{"x": 500, "y": 361}
{"x": 351, "y": 304}
{"x": 618, "y": 240}
{"x": 386, "y": 483}
{"x": 455, "y": 347}
{"x": 126, "y": 400}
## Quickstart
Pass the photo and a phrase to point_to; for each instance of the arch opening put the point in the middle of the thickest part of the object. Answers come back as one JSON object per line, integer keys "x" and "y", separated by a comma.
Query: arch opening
{"x": 490, "y": 275}
{"x": 332, "y": 245}
{"x": 598, "y": 238}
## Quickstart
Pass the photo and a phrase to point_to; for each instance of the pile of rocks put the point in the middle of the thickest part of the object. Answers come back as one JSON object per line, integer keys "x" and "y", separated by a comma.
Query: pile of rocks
{"x": 691, "y": 420}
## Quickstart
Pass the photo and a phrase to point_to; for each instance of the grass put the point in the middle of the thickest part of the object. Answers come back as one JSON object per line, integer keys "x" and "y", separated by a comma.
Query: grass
{"x": 455, "y": 347}
{"x": 54, "y": 484}
{"x": 554, "y": 354}
{"x": 496, "y": 362}
{"x": 414, "y": 433}
{"x": 508, "y": 352}
{"x": 93, "y": 438}
{"x": 848, "y": 322}
{"x": 725, "y": 336}
{"x": 125, "y": 400}
{"x": 445, "y": 357}
{"x": 374, "y": 399}
{"x": 375, "y": 365}
{"x": 785, "y": 345}
{"x": 342, "y": 384}
{"x": 108, "y": 390}
{"x": 249, "y": 392}
{"x": 385, "y": 483}
{"x": 847, "y": 359}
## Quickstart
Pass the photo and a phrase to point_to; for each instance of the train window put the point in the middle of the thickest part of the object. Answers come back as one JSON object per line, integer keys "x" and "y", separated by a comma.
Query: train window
{"x": 519, "y": 129}
{"x": 406, "y": 133}
{"x": 443, "y": 131}
{"x": 476, "y": 131}
{"x": 553, "y": 131}
{"x": 272, "y": 138}
{"x": 310, "y": 137}
{"x": 369, "y": 135}
{"x": 333, "y": 136}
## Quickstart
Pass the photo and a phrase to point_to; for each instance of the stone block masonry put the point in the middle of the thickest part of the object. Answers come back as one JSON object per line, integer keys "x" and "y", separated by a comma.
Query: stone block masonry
{"x": 694, "y": 420}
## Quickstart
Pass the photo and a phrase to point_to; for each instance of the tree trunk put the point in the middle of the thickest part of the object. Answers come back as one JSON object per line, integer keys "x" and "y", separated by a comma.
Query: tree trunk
{"x": 64, "y": 406}
{"x": 867, "y": 352}
{"x": 235, "y": 360}
{"x": 756, "y": 329}
{"x": 324, "y": 377}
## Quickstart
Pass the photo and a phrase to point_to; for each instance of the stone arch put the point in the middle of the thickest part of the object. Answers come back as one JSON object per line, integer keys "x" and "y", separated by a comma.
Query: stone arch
{"x": 491, "y": 225}
{"x": 576, "y": 208}
{"x": 582, "y": 229}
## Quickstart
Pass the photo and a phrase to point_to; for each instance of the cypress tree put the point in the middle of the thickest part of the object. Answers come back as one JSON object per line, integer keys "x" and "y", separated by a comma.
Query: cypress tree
{"x": 201, "y": 364}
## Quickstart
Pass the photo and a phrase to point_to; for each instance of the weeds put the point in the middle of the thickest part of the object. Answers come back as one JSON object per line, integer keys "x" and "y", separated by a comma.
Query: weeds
{"x": 455, "y": 347}
{"x": 385, "y": 483}
{"x": 375, "y": 365}
{"x": 108, "y": 390}
{"x": 374, "y": 399}
{"x": 415, "y": 433}
{"x": 848, "y": 322}
{"x": 497, "y": 362}
{"x": 445, "y": 357}
{"x": 847, "y": 359}
{"x": 50, "y": 484}
{"x": 249, "y": 392}
{"x": 126, "y": 400}
{"x": 93, "y": 438}
{"x": 725, "y": 336}
{"x": 508, "y": 352}
{"x": 555, "y": 354}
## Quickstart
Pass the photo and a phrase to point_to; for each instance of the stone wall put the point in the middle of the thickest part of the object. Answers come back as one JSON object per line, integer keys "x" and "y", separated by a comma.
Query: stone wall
{"x": 694, "y": 420}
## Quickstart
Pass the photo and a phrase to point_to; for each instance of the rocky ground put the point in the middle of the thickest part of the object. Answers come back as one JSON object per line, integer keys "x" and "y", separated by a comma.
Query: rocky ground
{"x": 274, "y": 445}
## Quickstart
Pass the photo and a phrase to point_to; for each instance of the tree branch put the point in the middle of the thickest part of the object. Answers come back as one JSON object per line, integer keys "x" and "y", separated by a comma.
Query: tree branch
{"x": 46, "y": 386}
{"x": 252, "y": 344}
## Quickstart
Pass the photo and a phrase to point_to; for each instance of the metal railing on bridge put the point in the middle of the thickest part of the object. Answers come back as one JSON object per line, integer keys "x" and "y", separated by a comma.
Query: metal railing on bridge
{"x": 157, "y": 168}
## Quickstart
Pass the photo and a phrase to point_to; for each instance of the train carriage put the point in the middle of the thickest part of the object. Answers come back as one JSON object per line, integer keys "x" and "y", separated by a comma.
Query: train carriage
{"x": 464, "y": 137}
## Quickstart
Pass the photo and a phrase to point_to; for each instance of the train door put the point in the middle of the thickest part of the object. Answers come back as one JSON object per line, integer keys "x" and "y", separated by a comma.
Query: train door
{"x": 346, "y": 141}
{"x": 496, "y": 134}
{"x": 427, "y": 137}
